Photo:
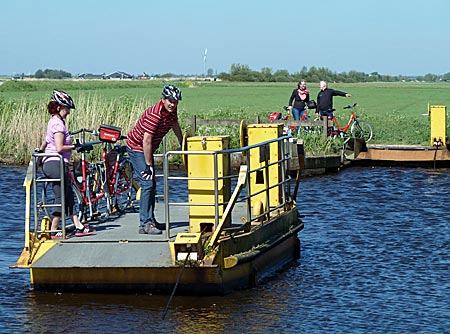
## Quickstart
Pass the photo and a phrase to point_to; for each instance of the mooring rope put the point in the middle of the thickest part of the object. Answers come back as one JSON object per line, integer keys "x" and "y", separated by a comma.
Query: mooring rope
{"x": 176, "y": 284}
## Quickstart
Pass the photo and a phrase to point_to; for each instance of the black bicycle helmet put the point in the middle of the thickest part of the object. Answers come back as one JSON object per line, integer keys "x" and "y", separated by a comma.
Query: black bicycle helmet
{"x": 171, "y": 92}
{"x": 63, "y": 99}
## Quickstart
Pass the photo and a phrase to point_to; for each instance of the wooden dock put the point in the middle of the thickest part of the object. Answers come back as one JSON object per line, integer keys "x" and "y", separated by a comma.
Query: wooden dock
{"x": 403, "y": 155}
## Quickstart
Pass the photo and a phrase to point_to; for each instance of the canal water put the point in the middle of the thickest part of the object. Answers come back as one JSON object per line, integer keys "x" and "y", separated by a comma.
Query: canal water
{"x": 375, "y": 259}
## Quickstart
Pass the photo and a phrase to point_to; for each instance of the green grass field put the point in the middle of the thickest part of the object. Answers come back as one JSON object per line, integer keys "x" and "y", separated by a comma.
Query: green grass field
{"x": 395, "y": 110}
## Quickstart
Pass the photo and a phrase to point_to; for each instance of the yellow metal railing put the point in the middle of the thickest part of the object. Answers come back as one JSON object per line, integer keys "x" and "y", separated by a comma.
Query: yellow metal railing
{"x": 259, "y": 214}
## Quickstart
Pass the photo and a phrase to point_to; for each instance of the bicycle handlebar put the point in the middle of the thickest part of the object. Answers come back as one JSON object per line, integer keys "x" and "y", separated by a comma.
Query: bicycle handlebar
{"x": 350, "y": 107}
{"x": 94, "y": 142}
{"x": 94, "y": 132}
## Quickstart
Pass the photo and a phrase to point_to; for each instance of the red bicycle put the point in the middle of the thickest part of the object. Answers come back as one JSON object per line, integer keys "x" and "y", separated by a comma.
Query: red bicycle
{"x": 87, "y": 184}
{"x": 276, "y": 115}
{"x": 113, "y": 173}
{"x": 358, "y": 127}
{"x": 117, "y": 170}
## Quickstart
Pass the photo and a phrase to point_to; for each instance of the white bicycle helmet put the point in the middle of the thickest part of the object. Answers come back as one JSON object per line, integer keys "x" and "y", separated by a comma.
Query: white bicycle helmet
{"x": 63, "y": 99}
{"x": 171, "y": 92}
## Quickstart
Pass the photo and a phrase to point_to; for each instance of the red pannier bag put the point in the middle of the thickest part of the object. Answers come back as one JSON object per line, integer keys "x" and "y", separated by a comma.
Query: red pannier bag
{"x": 274, "y": 116}
{"x": 109, "y": 133}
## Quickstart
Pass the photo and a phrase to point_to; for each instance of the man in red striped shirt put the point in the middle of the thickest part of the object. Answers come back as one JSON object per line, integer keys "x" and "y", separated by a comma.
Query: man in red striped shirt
{"x": 142, "y": 142}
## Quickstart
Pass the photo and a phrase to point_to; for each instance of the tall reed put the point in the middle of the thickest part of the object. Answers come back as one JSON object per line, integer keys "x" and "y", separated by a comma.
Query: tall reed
{"x": 23, "y": 123}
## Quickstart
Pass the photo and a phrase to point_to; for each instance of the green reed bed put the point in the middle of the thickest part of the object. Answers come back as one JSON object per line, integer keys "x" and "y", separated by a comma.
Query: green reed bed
{"x": 395, "y": 110}
{"x": 23, "y": 123}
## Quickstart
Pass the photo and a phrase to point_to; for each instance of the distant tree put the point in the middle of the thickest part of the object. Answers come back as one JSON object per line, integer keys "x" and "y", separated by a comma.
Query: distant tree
{"x": 313, "y": 74}
{"x": 39, "y": 74}
{"x": 431, "y": 77}
{"x": 210, "y": 72}
{"x": 224, "y": 76}
{"x": 354, "y": 76}
{"x": 282, "y": 76}
{"x": 266, "y": 74}
{"x": 238, "y": 69}
{"x": 241, "y": 72}
{"x": 446, "y": 77}
{"x": 325, "y": 74}
{"x": 52, "y": 74}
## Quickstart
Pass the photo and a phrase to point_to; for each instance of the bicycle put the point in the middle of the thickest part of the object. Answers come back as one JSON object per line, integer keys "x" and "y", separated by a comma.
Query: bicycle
{"x": 276, "y": 115}
{"x": 86, "y": 180}
{"x": 358, "y": 127}
{"x": 118, "y": 171}
{"x": 114, "y": 172}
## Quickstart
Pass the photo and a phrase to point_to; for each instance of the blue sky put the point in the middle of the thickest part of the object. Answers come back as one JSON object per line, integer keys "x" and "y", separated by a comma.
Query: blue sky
{"x": 407, "y": 37}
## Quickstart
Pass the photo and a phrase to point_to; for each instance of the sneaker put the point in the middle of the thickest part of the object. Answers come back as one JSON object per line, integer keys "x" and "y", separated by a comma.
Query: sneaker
{"x": 149, "y": 229}
{"x": 59, "y": 235}
{"x": 86, "y": 230}
{"x": 56, "y": 235}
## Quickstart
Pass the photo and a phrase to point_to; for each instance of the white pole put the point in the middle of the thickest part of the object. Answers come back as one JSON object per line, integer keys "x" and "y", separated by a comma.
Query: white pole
{"x": 204, "y": 62}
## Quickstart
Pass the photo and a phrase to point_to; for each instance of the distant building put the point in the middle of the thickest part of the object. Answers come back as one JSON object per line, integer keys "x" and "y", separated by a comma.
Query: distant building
{"x": 119, "y": 75}
{"x": 143, "y": 76}
{"x": 91, "y": 76}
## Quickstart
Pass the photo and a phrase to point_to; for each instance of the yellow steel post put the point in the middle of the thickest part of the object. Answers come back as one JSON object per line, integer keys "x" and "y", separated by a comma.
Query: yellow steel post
{"x": 201, "y": 191}
{"x": 438, "y": 124}
{"x": 259, "y": 157}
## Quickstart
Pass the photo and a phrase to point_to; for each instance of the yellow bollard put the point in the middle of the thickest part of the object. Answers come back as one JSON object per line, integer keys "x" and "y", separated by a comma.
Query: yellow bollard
{"x": 437, "y": 115}
{"x": 261, "y": 156}
{"x": 201, "y": 191}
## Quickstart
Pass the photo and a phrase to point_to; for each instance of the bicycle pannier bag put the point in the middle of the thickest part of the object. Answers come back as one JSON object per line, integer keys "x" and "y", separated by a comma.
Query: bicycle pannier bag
{"x": 77, "y": 173}
{"x": 311, "y": 104}
{"x": 273, "y": 116}
{"x": 109, "y": 133}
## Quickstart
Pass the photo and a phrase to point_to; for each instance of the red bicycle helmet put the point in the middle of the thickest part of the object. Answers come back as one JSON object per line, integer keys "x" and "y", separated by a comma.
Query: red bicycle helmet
{"x": 63, "y": 99}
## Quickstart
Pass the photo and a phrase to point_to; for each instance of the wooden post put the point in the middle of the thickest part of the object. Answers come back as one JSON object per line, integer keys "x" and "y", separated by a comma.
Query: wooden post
{"x": 325, "y": 128}
{"x": 194, "y": 124}
{"x": 301, "y": 166}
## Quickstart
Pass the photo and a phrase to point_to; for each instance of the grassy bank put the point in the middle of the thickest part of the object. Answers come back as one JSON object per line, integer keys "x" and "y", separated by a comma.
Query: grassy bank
{"x": 395, "y": 110}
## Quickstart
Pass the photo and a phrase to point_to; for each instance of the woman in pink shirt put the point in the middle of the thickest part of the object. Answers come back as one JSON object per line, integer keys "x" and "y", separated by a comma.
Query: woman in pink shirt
{"x": 57, "y": 140}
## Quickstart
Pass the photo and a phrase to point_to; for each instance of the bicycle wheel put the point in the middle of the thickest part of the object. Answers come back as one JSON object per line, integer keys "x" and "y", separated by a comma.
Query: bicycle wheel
{"x": 48, "y": 201}
{"x": 98, "y": 196}
{"x": 124, "y": 191}
{"x": 80, "y": 209}
{"x": 361, "y": 129}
